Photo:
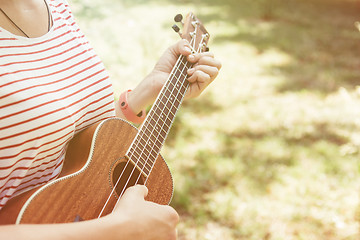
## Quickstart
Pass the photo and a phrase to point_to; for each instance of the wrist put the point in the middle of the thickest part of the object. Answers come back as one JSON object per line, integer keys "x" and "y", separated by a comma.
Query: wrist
{"x": 145, "y": 93}
{"x": 118, "y": 225}
{"x": 128, "y": 111}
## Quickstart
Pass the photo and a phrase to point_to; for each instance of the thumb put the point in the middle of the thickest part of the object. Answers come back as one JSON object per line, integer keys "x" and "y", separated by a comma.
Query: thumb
{"x": 131, "y": 195}
{"x": 140, "y": 191}
{"x": 181, "y": 47}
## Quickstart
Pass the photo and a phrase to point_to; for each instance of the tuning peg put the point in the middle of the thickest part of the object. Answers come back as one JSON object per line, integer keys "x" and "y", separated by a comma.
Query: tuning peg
{"x": 179, "y": 18}
{"x": 205, "y": 48}
{"x": 176, "y": 29}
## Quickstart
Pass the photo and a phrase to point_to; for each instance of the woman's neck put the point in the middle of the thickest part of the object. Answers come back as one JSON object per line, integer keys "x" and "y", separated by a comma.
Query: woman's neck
{"x": 24, "y": 17}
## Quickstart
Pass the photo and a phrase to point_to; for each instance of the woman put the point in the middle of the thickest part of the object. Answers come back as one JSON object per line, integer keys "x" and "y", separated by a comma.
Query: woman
{"x": 53, "y": 85}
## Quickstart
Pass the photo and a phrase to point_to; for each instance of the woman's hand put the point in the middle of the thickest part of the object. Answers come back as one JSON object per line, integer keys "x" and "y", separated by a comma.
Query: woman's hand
{"x": 205, "y": 69}
{"x": 136, "y": 218}
{"x": 133, "y": 218}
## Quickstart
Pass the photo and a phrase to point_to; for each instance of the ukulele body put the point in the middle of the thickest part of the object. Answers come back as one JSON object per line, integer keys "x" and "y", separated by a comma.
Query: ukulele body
{"x": 94, "y": 160}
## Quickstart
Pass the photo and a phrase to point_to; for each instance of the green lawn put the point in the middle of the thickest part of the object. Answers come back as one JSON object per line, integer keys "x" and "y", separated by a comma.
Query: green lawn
{"x": 271, "y": 150}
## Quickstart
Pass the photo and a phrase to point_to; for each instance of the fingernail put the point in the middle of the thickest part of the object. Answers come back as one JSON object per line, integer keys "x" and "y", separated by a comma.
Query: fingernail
{"x": 191, "y": 71}
{"x": 191, "y": 57}
{"x": 187, "y": 49}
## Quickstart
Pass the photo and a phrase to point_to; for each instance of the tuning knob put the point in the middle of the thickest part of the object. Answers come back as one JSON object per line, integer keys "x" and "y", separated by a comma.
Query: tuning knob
{"x": 178, "y": 18}
{"x": 176, "y": 29}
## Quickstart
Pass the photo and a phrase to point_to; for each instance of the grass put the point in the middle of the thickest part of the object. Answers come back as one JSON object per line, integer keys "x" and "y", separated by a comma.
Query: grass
{"x": 271, "y": 149}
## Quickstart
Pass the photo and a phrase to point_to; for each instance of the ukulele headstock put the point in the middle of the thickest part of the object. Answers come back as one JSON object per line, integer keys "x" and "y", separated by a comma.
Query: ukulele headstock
{"x": 193, "y": 31}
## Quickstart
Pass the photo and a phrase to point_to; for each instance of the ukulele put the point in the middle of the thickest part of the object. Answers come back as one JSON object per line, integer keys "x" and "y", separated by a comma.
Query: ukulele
{"x": 102, "y": 161}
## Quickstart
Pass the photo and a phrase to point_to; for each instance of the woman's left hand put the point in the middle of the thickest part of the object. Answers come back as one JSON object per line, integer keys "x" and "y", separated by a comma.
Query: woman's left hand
{"x": 205, "y": 69}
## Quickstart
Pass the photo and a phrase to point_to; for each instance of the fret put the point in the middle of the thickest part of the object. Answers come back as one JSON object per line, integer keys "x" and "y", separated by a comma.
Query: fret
{"x": 180, "y": 75}
{"x": 169, "y": 107}
{"x": 166, "y": 106}
{"x": 173, "y": 100}
{"x": 161, "y": 137}
{"x": 158, "y": 132}
{"x": 147, "y": 133}
{"x": 183, "y": 65}
{"x": 141, "y": 167}
{"x": 175, "y": 85}
{"x": 177, "y": 75}
{"x": 145, "y": 152}
{"x": 153, "y": 145}
{"x": 141, "y": 152}
{"x": 167, "y": 93}
{"x": 143, "y": 163}
{"x": 171, "y": 86}
{"x": 179, "y": 88}
{"x": 160, "y": 104}
{"x": 144, "y": 141}
{"x": 164, "y": 124}
{"x": 148, "y": 142}
{"x": 142, "y": 170}
{"x": 138, "y": 163}
{"x": 161, "y": 117}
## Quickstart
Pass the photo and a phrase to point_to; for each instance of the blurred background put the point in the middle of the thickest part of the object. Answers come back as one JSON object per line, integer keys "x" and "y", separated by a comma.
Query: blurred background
{"x": 271, "y": 149}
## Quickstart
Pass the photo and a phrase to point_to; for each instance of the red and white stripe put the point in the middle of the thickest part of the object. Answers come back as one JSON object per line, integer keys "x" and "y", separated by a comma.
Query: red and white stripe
{"x": 50, "y": 88}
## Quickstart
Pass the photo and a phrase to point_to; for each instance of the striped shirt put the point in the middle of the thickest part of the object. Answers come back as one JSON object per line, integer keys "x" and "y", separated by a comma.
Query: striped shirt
{"x": 50, "y": 88}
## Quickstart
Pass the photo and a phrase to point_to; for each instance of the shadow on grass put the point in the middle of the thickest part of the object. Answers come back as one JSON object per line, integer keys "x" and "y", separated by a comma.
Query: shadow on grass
{"x": 259, "y": 158}
{"x": 319, "y": 35}
{"x": 262, "y": 164}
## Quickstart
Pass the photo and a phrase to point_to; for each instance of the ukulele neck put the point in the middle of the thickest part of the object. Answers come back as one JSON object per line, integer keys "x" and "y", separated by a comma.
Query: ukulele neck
{"x": 151, "y": 136}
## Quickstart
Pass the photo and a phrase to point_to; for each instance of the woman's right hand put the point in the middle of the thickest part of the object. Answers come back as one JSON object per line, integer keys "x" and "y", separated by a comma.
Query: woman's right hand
{"x": 141, "y": 219}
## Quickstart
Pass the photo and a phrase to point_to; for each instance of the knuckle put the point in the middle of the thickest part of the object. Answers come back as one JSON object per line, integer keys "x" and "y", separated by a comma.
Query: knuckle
{"x": 205, "y": 76}
{"x": 191, "y": 79}
{"x": 219, "y": 65}
{"x": 141, "y": 189}
{"x": 184, "y": 41}
{"x": 210, "y": 54}
{"x": 173, "y": 215}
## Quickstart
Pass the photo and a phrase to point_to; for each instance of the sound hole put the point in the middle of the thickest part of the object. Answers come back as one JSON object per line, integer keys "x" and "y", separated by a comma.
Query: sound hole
{"x": 128, "y": 174}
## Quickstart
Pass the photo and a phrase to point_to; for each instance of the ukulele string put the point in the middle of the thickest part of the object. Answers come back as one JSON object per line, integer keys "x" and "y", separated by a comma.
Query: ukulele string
{"x": 136, "y": 164}
{"x": 113, "y": 190}
{"x": 142, "y": 133}
{"x": 147, "y": 159}
{"x": 192, "y": 42}
{"x": 180, "y": 99}
{"x": 180, "y": 87}
{"x": 180, "y": 59}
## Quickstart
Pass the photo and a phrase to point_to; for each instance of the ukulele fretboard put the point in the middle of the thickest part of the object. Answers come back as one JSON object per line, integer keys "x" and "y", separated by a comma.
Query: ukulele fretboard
{"x": 147, "y": 144}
